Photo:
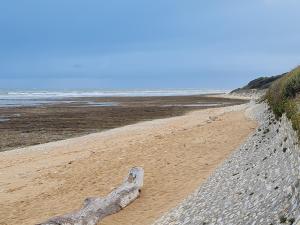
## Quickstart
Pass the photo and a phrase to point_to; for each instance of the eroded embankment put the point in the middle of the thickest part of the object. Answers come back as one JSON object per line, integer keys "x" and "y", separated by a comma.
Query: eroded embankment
{"x": 257, "y": 184}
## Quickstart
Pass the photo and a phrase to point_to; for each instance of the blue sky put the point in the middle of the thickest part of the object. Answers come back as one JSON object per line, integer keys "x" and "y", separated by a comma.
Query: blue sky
{"x": 95, "y": 44}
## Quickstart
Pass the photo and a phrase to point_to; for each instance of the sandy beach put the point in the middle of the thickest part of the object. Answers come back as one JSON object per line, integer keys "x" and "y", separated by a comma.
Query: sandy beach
{"x": 177, "y": 153}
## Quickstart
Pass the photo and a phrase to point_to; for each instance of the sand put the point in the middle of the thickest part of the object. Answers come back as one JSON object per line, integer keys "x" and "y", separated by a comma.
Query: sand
{"x": 177, "y": 153}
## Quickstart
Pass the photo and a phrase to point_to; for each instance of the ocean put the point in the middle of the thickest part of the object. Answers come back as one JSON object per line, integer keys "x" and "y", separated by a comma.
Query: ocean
{"x": 35, "y": 98}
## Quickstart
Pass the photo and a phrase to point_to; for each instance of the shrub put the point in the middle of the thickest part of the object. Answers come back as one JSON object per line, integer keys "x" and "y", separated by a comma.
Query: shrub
{"x": 282, "y": 97}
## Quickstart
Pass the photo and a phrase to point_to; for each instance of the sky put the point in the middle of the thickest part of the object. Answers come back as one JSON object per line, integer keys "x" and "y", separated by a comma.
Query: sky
{"x": 145, "y": 44}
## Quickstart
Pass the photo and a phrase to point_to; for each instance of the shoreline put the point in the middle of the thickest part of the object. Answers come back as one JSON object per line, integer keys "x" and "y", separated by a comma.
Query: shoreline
{"x": 70, "y": 170}
{"x": 27, "y": 126}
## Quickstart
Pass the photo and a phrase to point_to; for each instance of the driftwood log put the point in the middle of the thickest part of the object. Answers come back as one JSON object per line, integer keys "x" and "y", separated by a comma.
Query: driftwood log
{"x": 94, "y": 209}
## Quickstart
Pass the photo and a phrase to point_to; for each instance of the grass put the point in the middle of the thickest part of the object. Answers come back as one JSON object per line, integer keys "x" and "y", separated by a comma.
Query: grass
{"x": 283, "y": 97}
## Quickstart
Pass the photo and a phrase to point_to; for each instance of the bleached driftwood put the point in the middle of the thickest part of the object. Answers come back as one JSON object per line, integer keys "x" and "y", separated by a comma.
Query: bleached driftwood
{"x": 95, "y": 209}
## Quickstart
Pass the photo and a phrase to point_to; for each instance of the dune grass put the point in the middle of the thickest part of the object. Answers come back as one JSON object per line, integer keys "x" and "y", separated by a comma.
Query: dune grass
{"x": 283, "y": 97}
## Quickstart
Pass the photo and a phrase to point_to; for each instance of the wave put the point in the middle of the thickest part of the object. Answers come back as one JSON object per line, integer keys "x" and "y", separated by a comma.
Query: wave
{"x": 110, "y": 93}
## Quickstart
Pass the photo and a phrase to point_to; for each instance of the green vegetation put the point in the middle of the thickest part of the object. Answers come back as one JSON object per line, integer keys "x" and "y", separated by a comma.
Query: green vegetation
{"x": 283, "y": 97}
{"x": 260, "y": 83}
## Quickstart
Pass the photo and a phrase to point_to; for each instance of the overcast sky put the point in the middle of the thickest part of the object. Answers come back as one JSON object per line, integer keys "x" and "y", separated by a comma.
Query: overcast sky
{"x": 96, "y": 44}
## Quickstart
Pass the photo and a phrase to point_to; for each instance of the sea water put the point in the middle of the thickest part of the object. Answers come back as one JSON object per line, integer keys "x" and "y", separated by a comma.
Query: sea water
{"x": 35, "y": 98}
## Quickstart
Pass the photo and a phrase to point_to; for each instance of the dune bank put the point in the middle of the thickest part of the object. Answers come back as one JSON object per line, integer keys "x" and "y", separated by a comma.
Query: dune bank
{"x": 177, "y": 154}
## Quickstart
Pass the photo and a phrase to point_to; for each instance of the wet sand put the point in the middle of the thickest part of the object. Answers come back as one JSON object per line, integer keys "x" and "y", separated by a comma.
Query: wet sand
{"x": 177, "y": 153}
{"x": 25, "y": 126}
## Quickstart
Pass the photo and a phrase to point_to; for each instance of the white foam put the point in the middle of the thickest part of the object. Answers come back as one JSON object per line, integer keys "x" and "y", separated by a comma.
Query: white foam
{"x": 99, "y": 93}
{"x": 33, "y": 98}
